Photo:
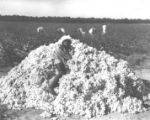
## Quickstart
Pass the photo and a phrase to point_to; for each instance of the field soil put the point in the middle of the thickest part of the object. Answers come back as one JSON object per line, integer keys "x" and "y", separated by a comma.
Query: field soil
{"x": 32, "y": 114}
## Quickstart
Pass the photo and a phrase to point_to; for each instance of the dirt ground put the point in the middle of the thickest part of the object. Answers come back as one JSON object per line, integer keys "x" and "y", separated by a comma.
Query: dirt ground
{"x": 32, "y": 114}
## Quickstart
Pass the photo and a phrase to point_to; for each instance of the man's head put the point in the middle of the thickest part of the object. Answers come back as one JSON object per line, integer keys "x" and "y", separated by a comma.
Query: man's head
{"x": 66, "y": 44}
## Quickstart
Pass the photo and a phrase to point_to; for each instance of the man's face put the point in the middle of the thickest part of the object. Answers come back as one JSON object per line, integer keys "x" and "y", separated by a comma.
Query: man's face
{"x": 67, "y": 44}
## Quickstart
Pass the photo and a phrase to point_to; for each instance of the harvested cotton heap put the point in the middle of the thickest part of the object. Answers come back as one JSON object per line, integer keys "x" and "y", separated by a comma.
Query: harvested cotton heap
{"x": 97, "y": 84}
{"x": 26, "y": 84}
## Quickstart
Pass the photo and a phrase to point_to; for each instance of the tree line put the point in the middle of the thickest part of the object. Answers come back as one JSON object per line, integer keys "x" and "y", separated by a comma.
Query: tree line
{"x": 71, "y": 20}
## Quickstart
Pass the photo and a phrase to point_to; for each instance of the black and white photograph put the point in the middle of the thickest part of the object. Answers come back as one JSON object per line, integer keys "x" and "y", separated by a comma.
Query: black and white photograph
{"x": 74, "y": 60}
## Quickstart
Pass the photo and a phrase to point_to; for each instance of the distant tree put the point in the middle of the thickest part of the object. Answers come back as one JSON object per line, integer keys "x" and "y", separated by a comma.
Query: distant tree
{"x": 71, "y": 20}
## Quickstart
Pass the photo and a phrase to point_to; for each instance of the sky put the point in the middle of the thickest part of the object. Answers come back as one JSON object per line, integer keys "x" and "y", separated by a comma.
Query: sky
{"x": 77, "y": 8}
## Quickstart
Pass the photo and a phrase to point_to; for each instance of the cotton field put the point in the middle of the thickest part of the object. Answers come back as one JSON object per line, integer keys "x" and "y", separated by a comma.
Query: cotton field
{"x": 97, "y": 84}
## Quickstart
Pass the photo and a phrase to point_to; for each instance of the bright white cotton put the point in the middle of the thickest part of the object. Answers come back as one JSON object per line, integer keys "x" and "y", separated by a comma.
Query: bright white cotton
{"x": 96, "y": 85}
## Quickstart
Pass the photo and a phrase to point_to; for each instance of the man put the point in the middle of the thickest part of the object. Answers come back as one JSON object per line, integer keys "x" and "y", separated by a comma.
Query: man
{"x": 61, "y": 56}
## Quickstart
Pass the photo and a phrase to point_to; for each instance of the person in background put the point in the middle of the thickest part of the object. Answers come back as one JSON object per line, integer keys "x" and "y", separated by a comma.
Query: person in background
{"x": 61, "y": 56}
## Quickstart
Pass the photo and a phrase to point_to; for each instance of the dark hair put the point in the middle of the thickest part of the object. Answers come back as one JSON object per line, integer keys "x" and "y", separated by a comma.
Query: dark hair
{"x": 67, "y": 40}
{"x": 68, "y": 47}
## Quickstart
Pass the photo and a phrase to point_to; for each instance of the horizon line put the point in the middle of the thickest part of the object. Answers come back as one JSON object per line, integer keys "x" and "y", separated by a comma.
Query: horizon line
{"x": 76, "y": 17}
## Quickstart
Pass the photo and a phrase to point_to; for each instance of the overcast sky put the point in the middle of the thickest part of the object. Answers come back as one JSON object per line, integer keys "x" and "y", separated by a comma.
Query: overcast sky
{"x": 77, "y": 8}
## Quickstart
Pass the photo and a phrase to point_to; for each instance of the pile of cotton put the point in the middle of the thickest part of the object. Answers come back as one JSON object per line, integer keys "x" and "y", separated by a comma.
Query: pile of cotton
{"x": 97, "y": 84}
{"x": 26, "y": 84}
